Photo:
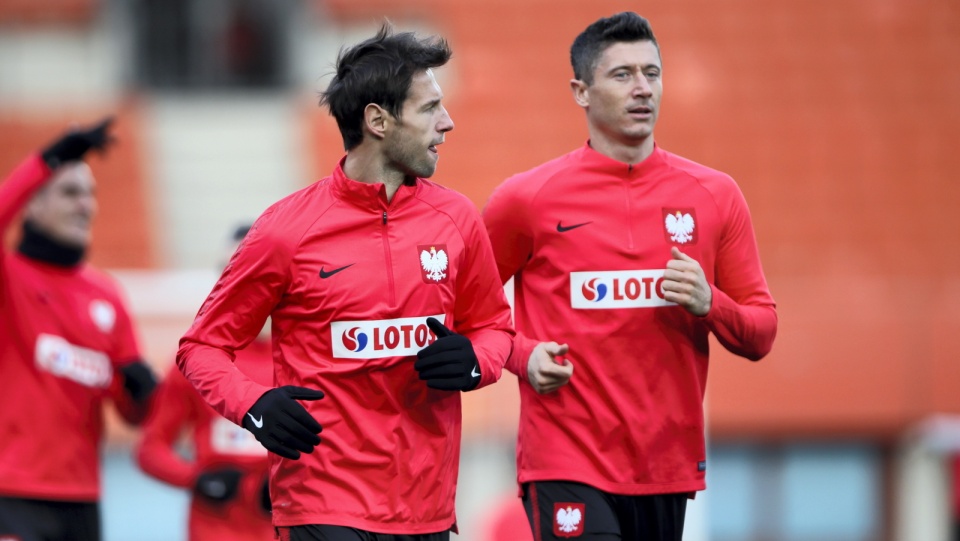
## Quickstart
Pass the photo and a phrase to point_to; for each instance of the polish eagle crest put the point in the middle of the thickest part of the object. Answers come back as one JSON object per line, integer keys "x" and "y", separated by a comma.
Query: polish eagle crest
{"x": 568, "y": 519}
{"x": 434, "y": 262}
{"x": 680, "y": 227}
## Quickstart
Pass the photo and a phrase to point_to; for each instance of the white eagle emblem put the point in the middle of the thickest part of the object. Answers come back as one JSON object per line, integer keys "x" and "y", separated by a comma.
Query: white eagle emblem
{"x": 680, "y": 226}
{"x": 103, "y": 315}
{"x": 568, "y": 519}
{"x": 435, "y": 263}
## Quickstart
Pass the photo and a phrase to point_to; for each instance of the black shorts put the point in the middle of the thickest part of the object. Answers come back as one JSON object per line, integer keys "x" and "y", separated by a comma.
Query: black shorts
{"x": 48, "y": 520}
{"x": 559, "y": 510}
{"x": 323, "y": 532}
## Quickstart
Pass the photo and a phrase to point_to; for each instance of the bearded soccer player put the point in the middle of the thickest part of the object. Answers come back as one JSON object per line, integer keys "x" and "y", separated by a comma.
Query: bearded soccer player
{"x": 68, "y": 343}
{"x": 635, "y": 256}
{"x": 385, "y": 305}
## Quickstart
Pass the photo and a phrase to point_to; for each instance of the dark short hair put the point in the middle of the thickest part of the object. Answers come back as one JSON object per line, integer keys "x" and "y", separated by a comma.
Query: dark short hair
{"x": 378, "y": 70}
{"x": 623, "y": 27}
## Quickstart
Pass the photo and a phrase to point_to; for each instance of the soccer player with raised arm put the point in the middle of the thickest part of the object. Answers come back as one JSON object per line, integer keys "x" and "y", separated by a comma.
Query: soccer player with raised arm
{"x": 67, "y": 344}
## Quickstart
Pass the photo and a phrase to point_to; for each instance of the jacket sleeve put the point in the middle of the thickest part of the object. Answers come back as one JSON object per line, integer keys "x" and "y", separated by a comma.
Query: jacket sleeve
{"x": 174, "y": 409}
{"x": 232, "y": 316}
{"x": 481, "y": 312}
{"x": 505, "y": 217}
{"x": 19, "y": 187}
{"x": 125, "y": 350}
{"x": 743, "y": 315}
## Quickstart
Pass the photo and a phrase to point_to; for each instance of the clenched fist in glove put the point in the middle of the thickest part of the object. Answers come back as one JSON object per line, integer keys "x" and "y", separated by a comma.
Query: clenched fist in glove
{"x": 281, "y": 424}
{"x": 448, "y": 364}
{"x": 138, "y": 381}
{"x": 75, "y": 143}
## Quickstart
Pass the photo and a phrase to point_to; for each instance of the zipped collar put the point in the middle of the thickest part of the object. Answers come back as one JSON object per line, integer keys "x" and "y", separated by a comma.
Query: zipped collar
{"x": 370, "y": 195}
{"x": 605, "y": 164}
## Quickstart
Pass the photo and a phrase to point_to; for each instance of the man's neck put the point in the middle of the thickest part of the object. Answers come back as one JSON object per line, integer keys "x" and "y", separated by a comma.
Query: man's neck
{"x": 369, "y": 168}
{"x": 630, "y": 153}
{"x": 36, "y": 244}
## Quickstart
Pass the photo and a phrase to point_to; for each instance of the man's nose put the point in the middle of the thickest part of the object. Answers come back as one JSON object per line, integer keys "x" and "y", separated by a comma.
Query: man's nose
{"x": 446, "y": 123}
{"x": 642, "y": 88}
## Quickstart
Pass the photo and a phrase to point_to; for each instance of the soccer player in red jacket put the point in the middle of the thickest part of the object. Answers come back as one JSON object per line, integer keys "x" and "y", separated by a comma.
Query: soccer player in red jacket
{"x": 227, "y": 474}
{"x": 385, "y": 304}
{"x": 67, "y": 343}
{"x": 635, "y": 256}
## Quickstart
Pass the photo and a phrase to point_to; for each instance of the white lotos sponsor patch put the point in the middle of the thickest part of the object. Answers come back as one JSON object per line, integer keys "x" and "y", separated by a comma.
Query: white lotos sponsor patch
{"x": 85, "y": 366}
{"x": 381, "y": 338}
{"x": 597, "y": 290}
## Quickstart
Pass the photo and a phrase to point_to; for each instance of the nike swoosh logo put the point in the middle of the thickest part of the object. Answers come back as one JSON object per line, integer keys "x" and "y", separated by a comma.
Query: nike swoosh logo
{"x": 328, "y": 274}
{"x": 256, "y": 422}
{"x": 474, "y": 373}
{"x": 564, "y": 228}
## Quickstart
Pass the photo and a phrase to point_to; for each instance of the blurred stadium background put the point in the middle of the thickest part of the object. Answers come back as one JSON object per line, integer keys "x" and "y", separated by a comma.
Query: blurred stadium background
{"x": 840, "y": 119}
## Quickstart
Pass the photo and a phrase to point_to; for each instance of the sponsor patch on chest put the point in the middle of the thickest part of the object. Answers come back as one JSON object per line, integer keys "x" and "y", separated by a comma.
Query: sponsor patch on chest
{"x": 597, "y": 290}
{"x": 87, "y": 367}
{"x": 381, "y": 338}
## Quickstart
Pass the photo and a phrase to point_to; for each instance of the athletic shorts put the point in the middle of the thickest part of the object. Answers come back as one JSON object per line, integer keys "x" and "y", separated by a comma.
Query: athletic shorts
{"x": 323, "y": 532}
{"x": 559, "y": 510}
{"x": 48, "y": 520}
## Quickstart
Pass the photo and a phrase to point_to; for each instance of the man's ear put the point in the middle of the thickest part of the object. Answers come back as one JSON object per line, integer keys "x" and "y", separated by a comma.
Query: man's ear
{"x": 581, "y": 92}
{"x": 375, "y": 120}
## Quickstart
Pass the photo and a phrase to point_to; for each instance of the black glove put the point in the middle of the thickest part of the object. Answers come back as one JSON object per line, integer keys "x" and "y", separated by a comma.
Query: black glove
{"x": 449, "y": 364}
{"x": 74, "y": 144}
{"x": 265, "y": 504}
{"x": 138, "y": 381}
{"x": 281, "y": 424}
{"x": 217, "y": 485}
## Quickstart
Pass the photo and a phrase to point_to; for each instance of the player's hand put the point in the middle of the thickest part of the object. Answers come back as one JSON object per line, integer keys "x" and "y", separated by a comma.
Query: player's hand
{"x": 545, "y": 372}
{"x": 72, "y": 146}
{"x": 217, "y": 485}
{"x": 685, "y": 284}
{"x": 281, "y": 424}
{"x": 448, "y": 364}
{"x": 138, "y": 381}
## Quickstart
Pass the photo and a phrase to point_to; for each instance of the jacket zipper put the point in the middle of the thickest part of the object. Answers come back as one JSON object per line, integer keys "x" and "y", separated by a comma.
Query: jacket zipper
{"x": 626, "y": 198}
{"x": 389, "y": 260}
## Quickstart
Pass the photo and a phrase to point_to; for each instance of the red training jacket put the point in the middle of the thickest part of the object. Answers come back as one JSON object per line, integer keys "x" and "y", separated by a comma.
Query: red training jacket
{"x": 349, "y": 280}
{"x": 587, "y": 239}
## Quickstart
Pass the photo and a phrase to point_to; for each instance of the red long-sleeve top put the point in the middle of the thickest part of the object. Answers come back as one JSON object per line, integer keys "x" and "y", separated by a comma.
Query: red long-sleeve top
{"x": 587, "y": 239}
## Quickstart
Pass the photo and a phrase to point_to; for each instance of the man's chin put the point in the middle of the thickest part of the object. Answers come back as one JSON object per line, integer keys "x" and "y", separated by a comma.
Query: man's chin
{"x": 425, "y": 172}
{"x": 76, "y": 240}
